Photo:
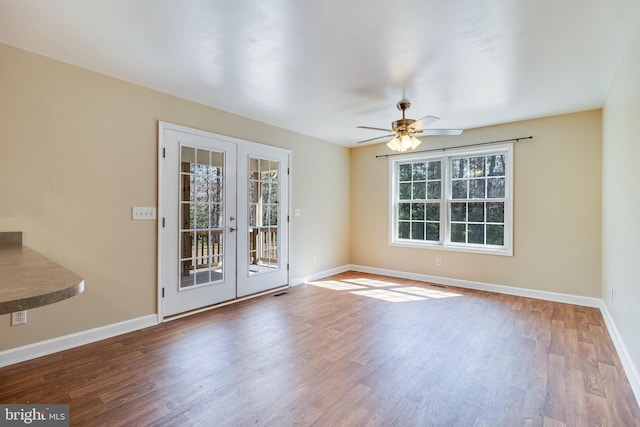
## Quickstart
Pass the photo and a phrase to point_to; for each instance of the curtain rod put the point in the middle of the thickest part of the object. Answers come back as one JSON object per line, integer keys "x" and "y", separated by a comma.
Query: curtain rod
{"x": 459, "y": 146}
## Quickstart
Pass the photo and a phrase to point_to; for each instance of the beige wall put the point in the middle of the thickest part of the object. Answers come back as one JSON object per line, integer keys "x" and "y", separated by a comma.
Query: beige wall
{"x": 557, "y": 210}
{"x": 78, "y": 149}
{"x": 621, "y": 201}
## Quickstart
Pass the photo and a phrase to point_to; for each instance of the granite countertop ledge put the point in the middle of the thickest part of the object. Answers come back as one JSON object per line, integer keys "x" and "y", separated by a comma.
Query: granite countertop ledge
{"x": 29, "y": 279}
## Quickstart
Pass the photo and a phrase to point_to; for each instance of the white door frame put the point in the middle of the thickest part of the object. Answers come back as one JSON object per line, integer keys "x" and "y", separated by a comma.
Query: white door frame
{"x": 162, "y": 127}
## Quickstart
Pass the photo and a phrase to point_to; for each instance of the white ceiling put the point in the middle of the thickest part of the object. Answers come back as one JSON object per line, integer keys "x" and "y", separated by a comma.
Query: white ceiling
{"x": 322, "y": 67}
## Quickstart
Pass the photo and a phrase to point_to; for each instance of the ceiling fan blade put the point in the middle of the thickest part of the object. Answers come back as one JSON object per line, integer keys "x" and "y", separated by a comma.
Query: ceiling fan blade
{"x": 374, "y": 139}
{"x": 424, "y": 121}
{"x": 423, "y": 132}
{"x": 368, "y": 127}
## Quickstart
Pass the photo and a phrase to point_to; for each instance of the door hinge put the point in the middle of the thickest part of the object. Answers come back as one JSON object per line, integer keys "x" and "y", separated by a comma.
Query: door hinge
{"x": 162, "y": 292}
{"x": 288, "y": 171}
{"x": 287, "y": 218}
{"x": 164, "y": 152}
{"x": 163, "y": 222}
{"x": 287, "y": 266}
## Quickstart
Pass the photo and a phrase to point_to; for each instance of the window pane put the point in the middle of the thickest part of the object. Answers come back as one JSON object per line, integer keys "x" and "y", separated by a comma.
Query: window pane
{"x": 216, "y": 190}
{"x": 476, "y": 234}
{"x": 433, "y": 231}
{"x": 202, "y": 215}
{"x": 187, "y": 244}
{"x": 403, "y": 230}
{"x": 459, "y": 168}
{"x": 254, "y": 189}
{"x": 419, "y": 171}
{"x": 264, "y": 192}
{"x": 405, "y": 191}
{"x": 495, "y": 213}
{"x": 476, "y": 188}
{"x": 459, "y": 189}
{"x": 434, "y": 170}
{"x": 252, "y": 215}
{"x": 188, "y": 212}
{"x": 215, "y": 214}
{"x": 419, "y": 191}
{"x": 203, "y": 158}
{"x": 495, "y": 188}
{"x": 404, "y": 211}
{"x": 432, "y": 212}
{"x": 495, "y": 234}
{"x": 476, "y": 166}
{"x": 405, "y": 172}
{"x": 476, "y": 212}
{"x": 433, "y": 190}
{"x": 188, "y": 158}
{"x": 458, "y": 232}
{"x": 458, "y": 211}
{"x": 496, "y": 164}
{"x": 417, "y": 211}
{"x": 202, "y": 186}
{"x": 417, "y": 230}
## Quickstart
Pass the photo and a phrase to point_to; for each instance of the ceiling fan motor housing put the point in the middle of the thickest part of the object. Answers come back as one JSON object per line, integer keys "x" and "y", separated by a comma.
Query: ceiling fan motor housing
{"x": 402, "y": 125}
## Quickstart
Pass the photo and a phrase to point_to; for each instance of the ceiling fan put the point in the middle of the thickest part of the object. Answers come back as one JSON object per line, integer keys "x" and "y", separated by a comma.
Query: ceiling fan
{"x": 404, "y": 131}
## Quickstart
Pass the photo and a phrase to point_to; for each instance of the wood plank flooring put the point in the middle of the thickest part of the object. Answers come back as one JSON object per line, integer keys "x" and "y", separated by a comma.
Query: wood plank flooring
{"x": 350, "y": 350}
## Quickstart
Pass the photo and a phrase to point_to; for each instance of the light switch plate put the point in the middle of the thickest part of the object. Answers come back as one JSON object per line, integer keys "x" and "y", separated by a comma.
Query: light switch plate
{"x": 139, "y": 213}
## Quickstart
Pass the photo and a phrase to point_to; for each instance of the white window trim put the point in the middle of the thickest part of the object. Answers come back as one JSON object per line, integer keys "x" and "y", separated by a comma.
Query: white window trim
{"x": 445, "y": 244}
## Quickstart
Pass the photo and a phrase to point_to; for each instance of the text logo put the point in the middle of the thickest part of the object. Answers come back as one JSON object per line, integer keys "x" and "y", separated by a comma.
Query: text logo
{"x": 34, "y": 415}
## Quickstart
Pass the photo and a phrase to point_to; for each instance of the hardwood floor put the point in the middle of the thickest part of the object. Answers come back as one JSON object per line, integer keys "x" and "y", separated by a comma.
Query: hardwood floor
{"x": 350, "y": 350}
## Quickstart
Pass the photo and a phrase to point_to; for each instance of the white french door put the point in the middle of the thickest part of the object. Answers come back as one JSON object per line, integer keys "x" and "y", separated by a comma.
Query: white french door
{"x": 263, "y": 206}
{"x": 222, "y": 219}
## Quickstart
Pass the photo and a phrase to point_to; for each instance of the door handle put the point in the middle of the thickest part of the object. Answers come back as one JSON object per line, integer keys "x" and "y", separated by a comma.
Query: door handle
{"x": 231, "y": 229}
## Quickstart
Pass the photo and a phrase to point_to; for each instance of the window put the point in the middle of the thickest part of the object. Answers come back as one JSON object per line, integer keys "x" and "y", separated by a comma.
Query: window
{"x": 458, "y": 199}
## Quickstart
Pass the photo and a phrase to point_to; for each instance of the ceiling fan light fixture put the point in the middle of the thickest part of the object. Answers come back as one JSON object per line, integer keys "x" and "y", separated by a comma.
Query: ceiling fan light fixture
{"x": 415, "y": 142}
{"x": 403, "y": 143}
{"x": 394, "y": 144}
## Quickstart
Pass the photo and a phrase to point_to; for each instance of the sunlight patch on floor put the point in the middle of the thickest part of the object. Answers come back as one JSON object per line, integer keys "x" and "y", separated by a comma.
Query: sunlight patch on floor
{"x": 394, "y": 292}
{"x": 336, "y": 285}
{"x": 371, "y": 282}
{"x": 388, "y": 295}
{"x": 424, "y": 292}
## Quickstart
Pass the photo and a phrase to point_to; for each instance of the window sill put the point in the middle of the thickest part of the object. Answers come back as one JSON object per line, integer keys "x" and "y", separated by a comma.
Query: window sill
{"x": 454, "y": 248}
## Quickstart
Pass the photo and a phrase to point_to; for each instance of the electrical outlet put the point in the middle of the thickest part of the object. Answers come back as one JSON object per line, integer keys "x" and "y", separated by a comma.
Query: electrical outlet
{"x": 438, "y": 261}
{"x": 138, "y": 213}
{"x": 19, "y": 318}
{"x": 314, "y": 259}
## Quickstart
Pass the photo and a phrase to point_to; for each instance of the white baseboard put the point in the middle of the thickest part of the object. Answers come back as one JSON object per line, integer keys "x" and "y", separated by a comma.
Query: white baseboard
{"x": 627, "y": 363}
{"x": 500, "y": 289}
{"x": 320, "y": 275}
{"x": 54, "y": 345}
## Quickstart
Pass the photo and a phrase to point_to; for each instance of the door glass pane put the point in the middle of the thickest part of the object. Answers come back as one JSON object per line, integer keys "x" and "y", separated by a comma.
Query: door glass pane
{"x": 264, "y": 215}
{"x": 201, "y": 213}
